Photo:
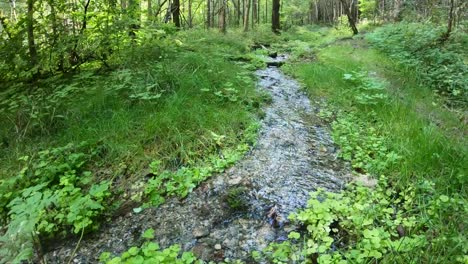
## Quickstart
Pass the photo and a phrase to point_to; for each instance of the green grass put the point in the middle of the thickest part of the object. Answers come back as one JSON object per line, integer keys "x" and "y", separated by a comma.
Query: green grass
{"x": 421, "y": 128}
{"x": 174, "y": 128}
{"x": 428, "y": 136}
{"x": 177, "y": 108}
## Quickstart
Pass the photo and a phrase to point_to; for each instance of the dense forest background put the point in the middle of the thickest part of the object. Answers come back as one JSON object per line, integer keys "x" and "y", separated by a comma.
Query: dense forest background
{"x": 112, "y": 107}
{"x": 44, "y": 37}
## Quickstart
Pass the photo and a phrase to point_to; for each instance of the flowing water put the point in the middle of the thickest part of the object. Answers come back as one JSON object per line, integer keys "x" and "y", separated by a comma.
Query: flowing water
{"x": 246, "y": 207}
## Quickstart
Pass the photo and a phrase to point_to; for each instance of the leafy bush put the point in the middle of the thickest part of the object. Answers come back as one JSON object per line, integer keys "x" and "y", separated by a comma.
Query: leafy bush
{"x": 416, "y": 46}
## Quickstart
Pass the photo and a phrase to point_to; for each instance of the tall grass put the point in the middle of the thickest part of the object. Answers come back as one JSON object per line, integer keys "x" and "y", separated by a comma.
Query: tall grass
{"x": 185, "y": 71}
{"x": 415, "y": 123}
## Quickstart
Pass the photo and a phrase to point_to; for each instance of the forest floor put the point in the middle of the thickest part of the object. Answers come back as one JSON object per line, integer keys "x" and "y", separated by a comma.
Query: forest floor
{"x": 229, "y": 142}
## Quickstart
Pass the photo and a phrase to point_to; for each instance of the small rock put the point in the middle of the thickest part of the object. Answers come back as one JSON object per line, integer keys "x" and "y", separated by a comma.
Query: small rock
{"x": 199, "y": 232}
{"x": 235, "y": 181}
{"x": 366, "y": 180}
{"x": 229, "y": 243}
{"x": 275, "y": 63}
{"x": 201, "y": 251}
{"x": 217, "y": 247}
{"x": 401, "y": 230}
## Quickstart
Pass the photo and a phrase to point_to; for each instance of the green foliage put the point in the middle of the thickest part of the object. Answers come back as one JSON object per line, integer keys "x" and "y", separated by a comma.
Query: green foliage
{"x": 173, "y": 97}
{"x": 359, "y": 225}
{"x": 367, "y": 90}
{"x": 53, "y": 193}
{"x": 181, "y": 182}
{"x": 368, "y": 9}
{"x": 361, "y": 221}
{"x": 408, "y": 136}
{"x": 441, "y": 66}
{"x": 150, "y": 252}
{"x": 362, "y": 145}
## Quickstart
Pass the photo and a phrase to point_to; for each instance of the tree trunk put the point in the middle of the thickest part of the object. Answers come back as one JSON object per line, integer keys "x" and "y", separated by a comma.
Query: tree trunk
{"x": 222, "y": 17}
{"x": 396, "y": 10}
{"x": 190, "y": 18}
{"x": 212, "y": 16}
{"x": 447, "y": 33}
{"x": 30, "y": 29}
{"x": 254, "y": 12}
{"x": 208, "y": 13}
{"x": 13, "y": 10}
{"x": 351, "y": 21}
{"x": 150, "y": 10}
{"x": 246, "y": 15}
{"x": 259, "y": 14}
{"x": 176, "y": 13}
{"x": 275, "y": 16}
{"x": 238, "y": 20}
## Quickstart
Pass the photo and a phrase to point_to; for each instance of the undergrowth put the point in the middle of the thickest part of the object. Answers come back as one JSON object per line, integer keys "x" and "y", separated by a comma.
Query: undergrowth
{"x": 74, "y": 147}
{"x": 383, "y": 123}
{"x": 417, "y": 46}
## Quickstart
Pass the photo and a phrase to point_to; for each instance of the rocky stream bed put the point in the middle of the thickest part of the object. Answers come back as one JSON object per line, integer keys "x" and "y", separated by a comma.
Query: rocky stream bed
{"x": 294, "y": 155}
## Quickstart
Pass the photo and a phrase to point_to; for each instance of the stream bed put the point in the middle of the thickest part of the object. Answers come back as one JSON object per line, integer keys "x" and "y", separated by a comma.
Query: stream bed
{"x": 246, "y": 207}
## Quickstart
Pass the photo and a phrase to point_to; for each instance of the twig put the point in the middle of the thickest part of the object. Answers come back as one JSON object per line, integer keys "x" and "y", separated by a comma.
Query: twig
{"x": 76, "y": 248}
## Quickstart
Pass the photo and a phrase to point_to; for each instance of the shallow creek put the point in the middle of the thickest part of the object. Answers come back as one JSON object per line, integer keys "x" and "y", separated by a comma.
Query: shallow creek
{"x": 246, "y": 207}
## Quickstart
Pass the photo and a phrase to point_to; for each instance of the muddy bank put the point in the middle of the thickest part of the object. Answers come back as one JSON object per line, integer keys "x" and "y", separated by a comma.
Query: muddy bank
{"x": 246, "y": 207}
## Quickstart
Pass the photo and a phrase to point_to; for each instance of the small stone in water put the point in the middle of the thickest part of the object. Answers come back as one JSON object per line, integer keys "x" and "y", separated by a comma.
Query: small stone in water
{"x": 217, "y": 246}
{"x": 200, "y": 232}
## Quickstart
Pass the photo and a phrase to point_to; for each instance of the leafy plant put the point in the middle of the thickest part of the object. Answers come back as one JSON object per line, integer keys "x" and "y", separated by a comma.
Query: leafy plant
{"x": 362, "y": 145}
{"x": 150, "y": 252}
{"x": 358, "y": 225}
{"x": 368, "y": 91}
{"x": 53, "y": 194}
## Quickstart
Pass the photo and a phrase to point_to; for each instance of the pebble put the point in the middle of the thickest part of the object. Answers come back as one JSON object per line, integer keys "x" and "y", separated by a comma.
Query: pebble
{"x": 199, "y": 232}
{"x": 217, "y": 247}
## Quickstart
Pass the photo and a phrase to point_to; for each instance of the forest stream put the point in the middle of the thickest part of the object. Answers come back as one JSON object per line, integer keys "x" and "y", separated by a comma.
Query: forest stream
{"x": 246, "y": 207}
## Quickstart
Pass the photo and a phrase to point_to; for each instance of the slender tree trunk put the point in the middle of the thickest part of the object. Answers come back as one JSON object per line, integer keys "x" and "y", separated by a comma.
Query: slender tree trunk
{"x": 30, "y": 29}
{"x": 275, "y": 16}
{"x": 246, "y": 15}
{"x": 239, "y": 14}
{"x": 176, "y": 13}
{"x": 208, "y": 13}
{"x": 213, "y": 12}
{"x": 55, "y": 36}
{"x": 222, "y": 17}
{"x": 13, "y": 10}
{"x": 150, "y": 10}
{"x": 168, "y": 16}
{"x": 254, "y": 12}
{"x": 447, "y": 33}
{"x": 190, "y": 18}
{"x": 259, "y": 14}
{"x": 396, "y": 10}
{"x": 351, "y": 21}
